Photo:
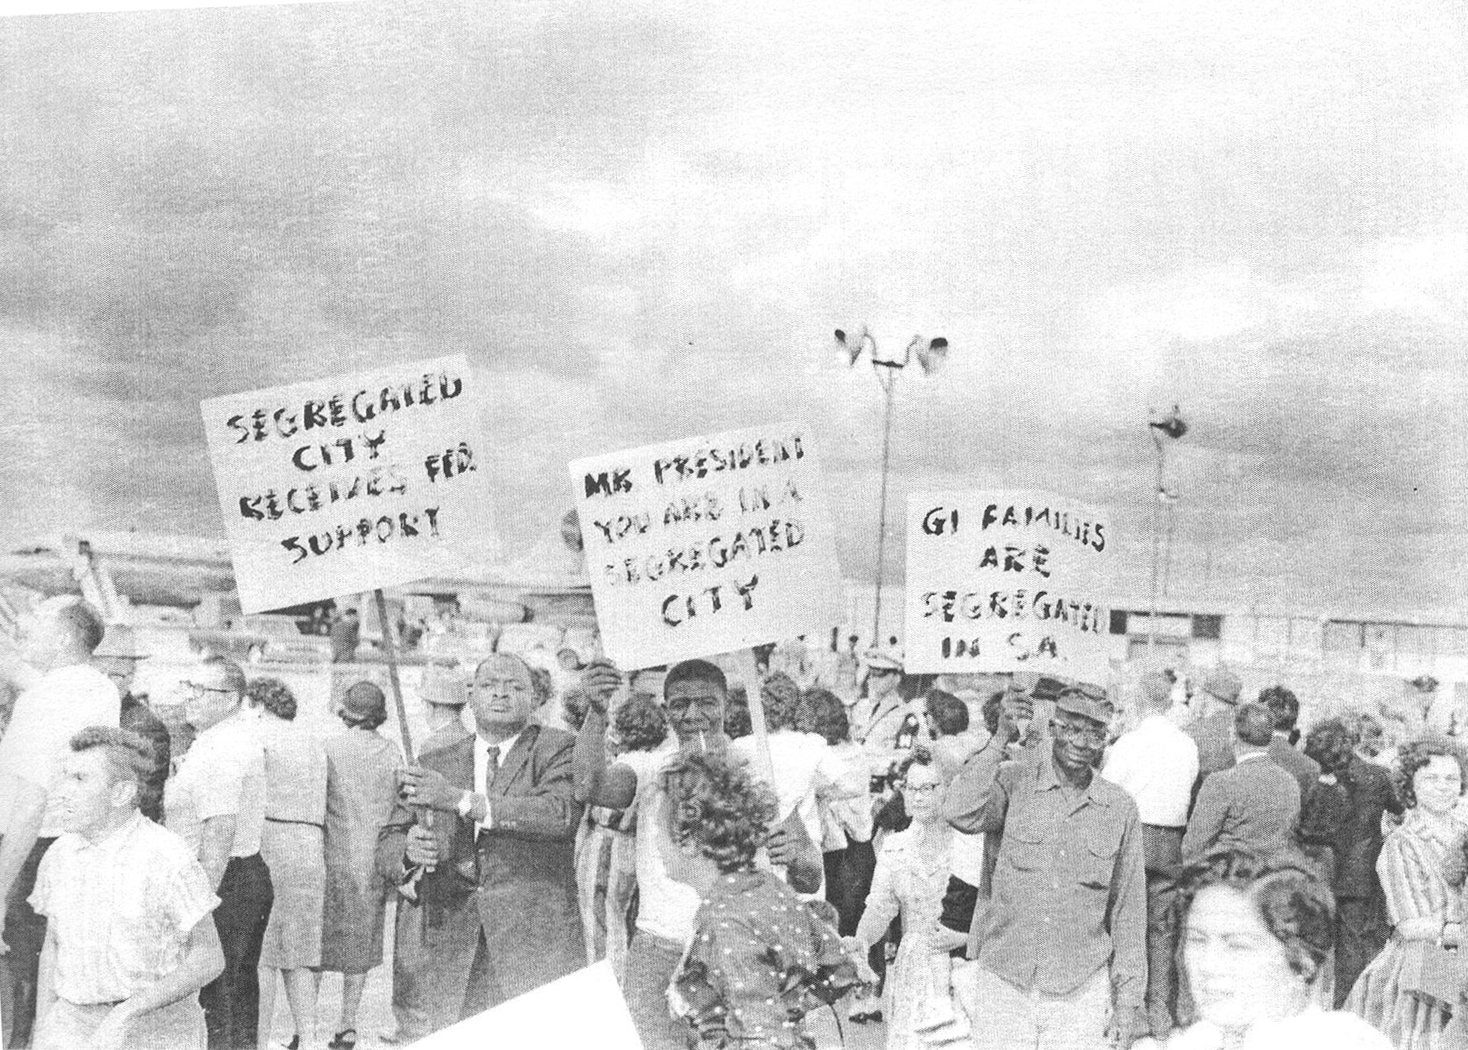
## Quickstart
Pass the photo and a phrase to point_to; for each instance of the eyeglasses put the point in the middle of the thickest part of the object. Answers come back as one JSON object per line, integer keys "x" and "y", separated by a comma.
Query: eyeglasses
{"x": 199, "y": 689}
{"x": 921, "y": 789}
{"x": 1072, "y": 731}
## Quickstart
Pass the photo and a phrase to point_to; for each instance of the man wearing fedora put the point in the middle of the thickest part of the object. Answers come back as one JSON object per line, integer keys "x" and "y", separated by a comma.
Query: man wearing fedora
{"x": 1061, "y": 946}
{"x": 118, "y": 658}
{"x": 1213, "y": 729}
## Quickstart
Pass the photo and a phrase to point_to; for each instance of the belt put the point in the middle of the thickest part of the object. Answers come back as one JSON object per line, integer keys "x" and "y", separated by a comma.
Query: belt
{"x": 307, "y": 823}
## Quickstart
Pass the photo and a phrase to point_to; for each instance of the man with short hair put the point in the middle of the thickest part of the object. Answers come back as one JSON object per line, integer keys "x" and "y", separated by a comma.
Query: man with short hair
{"x": 1286, "y": 710}
{"x": 216, "y": 804}
{"x": 1214, "y": 704}
{"x": 118, "y": 658}
{"x": 1253, "y": 806}
{"x": 696, "y": 696}
{"x": 500, "y": 899}
{"x": 129, "y": 938}
{"x": 1061, "y": 944}
{"x": 1156, "y": 763}
{"x": 346, "y": 633}
{"x": 60, "y": 695}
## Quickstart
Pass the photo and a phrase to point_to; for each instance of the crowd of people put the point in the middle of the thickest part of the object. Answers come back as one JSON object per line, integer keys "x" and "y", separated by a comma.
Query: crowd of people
{"x": 764, "y": 858}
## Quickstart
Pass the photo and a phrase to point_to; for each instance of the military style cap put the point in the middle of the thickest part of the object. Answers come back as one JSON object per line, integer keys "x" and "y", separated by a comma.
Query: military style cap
{"x": 1084, "y": 702}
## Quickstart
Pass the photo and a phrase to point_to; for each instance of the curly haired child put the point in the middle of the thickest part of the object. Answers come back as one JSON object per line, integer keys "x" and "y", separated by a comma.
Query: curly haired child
{"x": 760, "y": 958}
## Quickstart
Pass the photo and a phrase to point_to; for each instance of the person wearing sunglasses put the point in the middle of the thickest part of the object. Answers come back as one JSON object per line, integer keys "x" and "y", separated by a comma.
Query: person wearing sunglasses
{"x": 1061, "y": 946}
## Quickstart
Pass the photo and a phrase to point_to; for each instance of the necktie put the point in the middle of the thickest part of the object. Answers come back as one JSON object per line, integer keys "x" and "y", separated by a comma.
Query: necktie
{"x": 492, "y": 766}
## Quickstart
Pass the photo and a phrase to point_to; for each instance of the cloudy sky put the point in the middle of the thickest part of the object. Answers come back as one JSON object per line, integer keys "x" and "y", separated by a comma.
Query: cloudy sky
{"x": 641, "y": 221}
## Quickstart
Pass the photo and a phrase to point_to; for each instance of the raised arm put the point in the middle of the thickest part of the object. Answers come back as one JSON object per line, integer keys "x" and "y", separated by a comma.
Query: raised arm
{"x": 596, "y": 781}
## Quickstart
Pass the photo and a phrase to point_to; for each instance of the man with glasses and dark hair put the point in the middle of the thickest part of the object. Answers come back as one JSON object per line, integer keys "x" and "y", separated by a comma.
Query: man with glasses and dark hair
{"x": 216, "y": 804}
{"x": 1061, "y": 944}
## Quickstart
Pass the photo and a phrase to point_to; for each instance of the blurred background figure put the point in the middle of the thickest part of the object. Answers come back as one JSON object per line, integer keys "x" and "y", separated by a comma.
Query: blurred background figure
{"x": 118, "y": 658}
{"x": 1256, "y": 936}
{"x": 444, "y": 693}
{"x": 345, "y": 632}
{"x": 291, "y": 845}
{"x": 361, "y": 788}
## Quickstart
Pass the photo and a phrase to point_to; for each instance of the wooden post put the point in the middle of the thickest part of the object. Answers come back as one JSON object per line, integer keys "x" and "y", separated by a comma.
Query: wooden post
{"x": 390, "y": 650}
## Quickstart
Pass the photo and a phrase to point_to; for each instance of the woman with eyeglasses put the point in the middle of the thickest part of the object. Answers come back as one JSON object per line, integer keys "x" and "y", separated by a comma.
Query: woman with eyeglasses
{"x": 914, "y": 870}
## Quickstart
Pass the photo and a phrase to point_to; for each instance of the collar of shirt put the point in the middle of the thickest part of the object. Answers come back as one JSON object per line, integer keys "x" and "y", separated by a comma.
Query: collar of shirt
{"x": 481, "y": 760}
{"x": 116, "y": 840}
{"x": 1047, "y": 777}
{"x": 1240, "y": 759}
{"x": 243, "y": 719}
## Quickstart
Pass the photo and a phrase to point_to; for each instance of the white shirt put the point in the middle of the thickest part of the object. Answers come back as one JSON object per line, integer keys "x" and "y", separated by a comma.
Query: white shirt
{"x": 666, "y": 907}
{"x": 46, "y": 716}
{"x": 481, "y": 770}
{"x": 121, "y": 909}
{"x": 223, "y": 774}
{"x": 1156, "y": 763}
{"x": 1311, "y": 1029}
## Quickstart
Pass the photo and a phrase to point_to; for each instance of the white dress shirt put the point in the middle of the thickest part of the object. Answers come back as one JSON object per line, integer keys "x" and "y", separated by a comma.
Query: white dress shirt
{"x": 1156, "y": 763}
{"x": 482, "y": 777}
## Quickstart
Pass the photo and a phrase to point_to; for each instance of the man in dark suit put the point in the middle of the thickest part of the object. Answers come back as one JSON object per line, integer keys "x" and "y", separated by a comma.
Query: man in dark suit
{"x": 498, "y": 886}
{"x": 1213, "y": 730}
{"x": 1286, "y": 710}
{"x": 1252, "y": 806}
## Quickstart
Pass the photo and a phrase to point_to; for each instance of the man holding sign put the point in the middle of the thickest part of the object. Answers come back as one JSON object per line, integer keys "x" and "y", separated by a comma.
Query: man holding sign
{"x": 696, "y": 694}
{"x": 500, "y": 896}
{"x": 1061, "y": 948}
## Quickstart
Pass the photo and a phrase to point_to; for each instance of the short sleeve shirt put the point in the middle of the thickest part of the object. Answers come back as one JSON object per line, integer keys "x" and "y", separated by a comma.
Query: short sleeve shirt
{"x": 121, "y": 909}
{"x": 223, "y": 774}
{"x": 46, "y": 716}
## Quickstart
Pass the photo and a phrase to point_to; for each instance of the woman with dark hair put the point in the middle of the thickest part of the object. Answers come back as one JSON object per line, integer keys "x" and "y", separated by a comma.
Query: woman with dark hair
{"x": 1392, "y": 992}
{"x": 291, "y": 847}
{"x": 912, "y": 880}
{"x": 760, "y": 959}
{"x": 606, "y": 845}
{"x": 1257, "y": 935}
{"x": 361, "y": 787}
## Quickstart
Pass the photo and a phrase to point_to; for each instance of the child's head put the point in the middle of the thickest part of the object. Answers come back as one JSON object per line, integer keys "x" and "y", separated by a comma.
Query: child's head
{"x": 716, "y": 816}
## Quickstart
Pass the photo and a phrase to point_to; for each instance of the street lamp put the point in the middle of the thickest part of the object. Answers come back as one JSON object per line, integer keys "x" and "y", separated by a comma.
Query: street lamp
{"x": 930, "y": 354}
{"x": 1169, "y": 427}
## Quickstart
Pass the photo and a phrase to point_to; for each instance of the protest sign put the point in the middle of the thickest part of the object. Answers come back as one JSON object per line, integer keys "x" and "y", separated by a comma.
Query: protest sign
{"x": 583, "y": 1009}
{"x": 708, "y": 545}
{"x": 344, "y": 485}
{"x": 1006, "y": 581}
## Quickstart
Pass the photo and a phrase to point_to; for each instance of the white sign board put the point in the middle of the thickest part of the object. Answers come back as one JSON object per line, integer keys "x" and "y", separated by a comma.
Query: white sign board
{"x": 342, "y": 485}
{"x": 1007, "y": 581}
{"x": 708, "y": 545}
{"x": 583, "y": 1009}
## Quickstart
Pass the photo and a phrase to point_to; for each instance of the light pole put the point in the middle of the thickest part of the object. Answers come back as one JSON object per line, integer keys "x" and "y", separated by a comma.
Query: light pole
{"x": 1170, "y": 427}
{"x": 930, "y": 354}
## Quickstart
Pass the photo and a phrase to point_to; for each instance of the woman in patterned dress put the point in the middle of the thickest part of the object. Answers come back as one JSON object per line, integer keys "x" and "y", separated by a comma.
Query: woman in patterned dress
{"x": 912, "y": 877}
{"x": 1422, "y": 906}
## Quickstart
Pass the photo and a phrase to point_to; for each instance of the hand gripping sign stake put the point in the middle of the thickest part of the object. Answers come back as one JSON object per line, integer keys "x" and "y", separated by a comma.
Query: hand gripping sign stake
{"x": 408, "y": 889}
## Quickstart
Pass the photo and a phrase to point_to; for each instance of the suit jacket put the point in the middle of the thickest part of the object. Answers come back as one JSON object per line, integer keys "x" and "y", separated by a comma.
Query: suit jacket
{"x": 1215, "y": 740}
{"x": 514, "y": 883}
{"x": 1253, "y": 806}
{"x": 1371, "y": 792}
{"x": 1297, "y": 764}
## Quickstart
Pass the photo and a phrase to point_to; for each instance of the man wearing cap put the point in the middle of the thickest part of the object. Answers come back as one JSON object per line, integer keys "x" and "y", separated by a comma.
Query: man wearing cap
{"x": 118, "y": 657}
{"x": 1061, "y": 944}
{"x": 60, "y": 694}
{"x": 877, "y": 719}
{"x": 216, "y": 804}
{"x": 1156, "y": 763}
{"x": 1213, "y": 730}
